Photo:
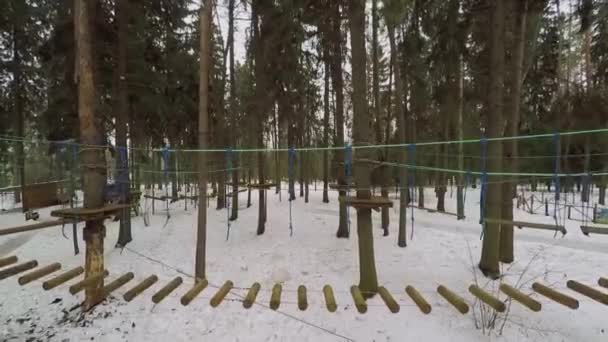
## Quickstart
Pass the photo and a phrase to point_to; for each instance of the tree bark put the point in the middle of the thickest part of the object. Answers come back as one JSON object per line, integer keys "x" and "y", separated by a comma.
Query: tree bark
{"x": 326, "y": 59}
{"x": 368, "y": 282}
{"x": 18, "y": 104}
{"x": 233, "y": 111}
{"x": 260, "y": 89}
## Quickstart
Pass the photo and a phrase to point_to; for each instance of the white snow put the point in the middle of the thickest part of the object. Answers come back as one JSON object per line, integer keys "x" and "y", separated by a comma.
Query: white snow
{"x": 443, "y": 251}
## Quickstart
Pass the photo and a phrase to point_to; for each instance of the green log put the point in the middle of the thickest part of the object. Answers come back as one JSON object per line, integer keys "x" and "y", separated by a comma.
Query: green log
{"x": 302, "y": 300}
{"x": 217, "y": 298}
{"x": 139, "y": 288}
{"x": 487, "y": 298}
{"x": 90, "y": 281}
{"x": 358, "y": 299}
{"x": 11, "y": 271}
{"x": 520, "y": 297}
{"x": 62, "y": 278}
{"x": 199, "y": 286}
{"x": 251, "y": 295}
{"x": 422, "y": 304}
{"x": 275, "y": 298}
{"x": 39, "y": 273}
{"x": 588, "y": 291}
{"x": 330, "y": 300}
{"x": 117, "y": 283}
{"x": 8, "y": 261}
{"x": 390, "y": 302}
{"x": 555, "y": 295}
{"x": 603, "y": 282}
{"x": 165, "y": 291}
{"x": 454, "y": 299}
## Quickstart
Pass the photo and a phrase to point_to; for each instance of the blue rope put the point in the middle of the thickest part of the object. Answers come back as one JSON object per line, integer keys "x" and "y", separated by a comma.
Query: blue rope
{"x": 412, "y": 181}
{"x": 484, "y": 178}
{"x": 292, "y": 156}
{"x": 228, "y": 168}
{"x": 348, "y": 172}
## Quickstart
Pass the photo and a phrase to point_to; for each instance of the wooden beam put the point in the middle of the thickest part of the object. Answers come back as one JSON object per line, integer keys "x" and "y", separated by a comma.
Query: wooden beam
{"x": 8, "y": 260}
{"x": 251, "y": 295}
{"x": 534, "y": 225}
{"x": 588, "y": 291}
{"x": 520, "y": 297}
{"x": 330, "y": 300}
{"x": 11, "y": 271}
{"x": 358, "y": 299}
{"x": 555, "y": 295}
{"x": 39, "y": 273}
{"x": 165, "y": 291}
{"x": 217, "y": 298}
{"x": 35, "y": 226}
{"x": 302, "y": 300}
{"x": 199, "y": 286}
{"x": 487, "y": 298}
{"x": 90, "y": 281}
{"x": 275, "y": 298}
{"x": 453, "y": 299}
{"x": 62, "y": 278}
{"x": 594, "y": 229}
{"x": 422, "y": 304}
{"x": 139, "y": 288}
{"x": 390, "y": 302}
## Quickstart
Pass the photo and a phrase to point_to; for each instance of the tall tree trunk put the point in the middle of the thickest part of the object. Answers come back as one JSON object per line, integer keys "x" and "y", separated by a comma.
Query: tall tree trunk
{"x": 491, "y": 238}
{"x": 122, "y": 118}
{"x": 91, "y": 134}
{"x": 18, "y": 105}
{"x": 203, "y": 136}
{"x": 399, "y": 113}
{"x": 259, "y": 53}
{"x": 233, "y": 112}
{"x": 326, "y": 60}
{"x": 368, "y": 282}
{"x": 338, "y": 86}
{"x": 460, "y": 187}
{"x": 514, "y": 77}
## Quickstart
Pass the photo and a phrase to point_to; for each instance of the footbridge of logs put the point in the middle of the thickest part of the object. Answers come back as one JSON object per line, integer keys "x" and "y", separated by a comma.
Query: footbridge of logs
{"x": 50, "y": 278}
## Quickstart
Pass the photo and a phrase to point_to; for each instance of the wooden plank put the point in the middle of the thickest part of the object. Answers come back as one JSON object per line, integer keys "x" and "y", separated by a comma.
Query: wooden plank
{"x": 217, "y": 298}
{"x": 165, "y": 291}
{"x": 453, "y": 299}
{"x": 39, "y": 273}
{"x": 389, "y": 301}
{"x": 422, "y": 304}
{"x": 139, "y": 288}
{"x": 594, "y": 229}
{"x": 13, "y": 270}
{"x": 556, "y": 296}
{"x": 302, "y": 300}
{"x": 520, "y": 297}
{"x": 358, "y": 299}
{"x": 275, "y": 298}
{"x": 36, "y": 226}
{"x": 588, "y": 291}
{"x": 251, "y": 295}
{"x": 8, "y": 260}
{"x": 487, "y": 298}
{"x": 62, "y": 278}
{"x": 330, "y": 299}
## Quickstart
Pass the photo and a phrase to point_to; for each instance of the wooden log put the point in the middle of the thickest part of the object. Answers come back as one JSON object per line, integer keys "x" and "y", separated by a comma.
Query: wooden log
{"x": 487, "y": 298}
{"x": 275, "y": 298}
{"x": 453, "y": 299}
{"x": 588, "y": 291}
{"x": 302, "y": 300}
{"x": 603, "y": 282}
{"x": 330, "y": 300}
{"x": 90, "y": 281}
{"x": 422, "y": 304}
{"x": 199, "y": 286}
{"x": 13, "y": 270}
{"x": 520, "y": 297}
{"x": 251, "y": 295}
{"x": 593, "y": 229}
{"x": 34, "y": 226}
{"x": 165, "y": 291}
{"x": 8, "y": 261}
{"x": 139, "y": 288}
{"x": 39, "y": 273}
{"x": 217, "y": 298}
{"x": 389, "y": 301}
{"x": 555, "y": 296}
{"x": 62, "y": 278}
{"x": 117, "y": 283}
{"x": 358, "y": 299}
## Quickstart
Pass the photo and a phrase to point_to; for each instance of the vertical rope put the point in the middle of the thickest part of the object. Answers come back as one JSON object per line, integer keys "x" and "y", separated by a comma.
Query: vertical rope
{"x": 412, "y": 181}
{"x": 292, "y": 195}
{"x": 484, "y": 178}
{"x": 347, "y": 170}
{"x": 226, "y": 198}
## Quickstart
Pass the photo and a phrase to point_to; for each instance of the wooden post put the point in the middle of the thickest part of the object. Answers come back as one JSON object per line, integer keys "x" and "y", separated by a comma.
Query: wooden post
{"x": 165, "y": 291}
{"x": 11, "y": 271}
{"x": 569, "y": 207}
{"x": 88, "y": 282}
{"x": 521, "y": 297}
{"x": 302, "y": 300}
{"x": 603, "y": 282}
{"x": 390, "y": 302}
{"x": 116, "y": 283}
{"x": 532, "y": 204}
{"x": 453, "y": 299}
{"x": 330, "y": 300}
{"x": 139, "y": 288}
{"x": 251, "y": 295}
{"x": 547, "y": 207}
{"x": 588, "y": 291}
{"x": 555, "y": 295}
{"x": 199, "y": 286}
{"x": 422, "y": 304}
{"x": 358, "y": 299}
{"x": 221, "y": 294}
{"x": 487, "y": 298}
{"x": 275, "y": 298}
{"x": 62, "y": 278}
{"x": 8, "y": 261}
{"x": 39, "y": 273}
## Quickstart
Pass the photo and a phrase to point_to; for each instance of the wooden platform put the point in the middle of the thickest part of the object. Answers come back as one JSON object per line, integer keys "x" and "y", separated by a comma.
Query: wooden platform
{"x": 339, "y": 187}
{"x": 367, "y": 203}
{"x": 594, "y": 229}
{"x": 534, "y": 225}
{"x": 262, "y": 186}
{"x": 89, "y": 214}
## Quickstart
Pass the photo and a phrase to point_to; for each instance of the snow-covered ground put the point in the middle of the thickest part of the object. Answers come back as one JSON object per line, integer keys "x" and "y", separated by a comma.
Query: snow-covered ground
{"x": 442, "y": 251}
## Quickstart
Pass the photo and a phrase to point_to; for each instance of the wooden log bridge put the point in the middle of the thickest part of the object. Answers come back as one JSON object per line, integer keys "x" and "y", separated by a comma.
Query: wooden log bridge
{"x": 62, "y": 278}
{"x": 390, "y": 302}
{"x": 139, "y": 288}
{"x": 422, "y": 304}
{"x": 556, "y": 296}
{"x": 36, "y": 226}
{"x": 39, "y": 273}
{"x": 588, "y": 291}
{"x": 487, "y": 298}
{"x": 199, "y": 286}
{"x": 217, "y": 298}
{"x": 86, "y": 214}
{"x": 520, "y": 297}
{"x": 453, "y": 299}
{"x": 330, "y": 300}
{"x": 534, "y": 225}
{"x": 14, "y": 270}
{"x": 251, "y": 295}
